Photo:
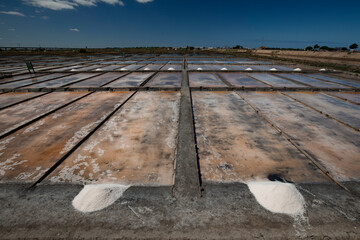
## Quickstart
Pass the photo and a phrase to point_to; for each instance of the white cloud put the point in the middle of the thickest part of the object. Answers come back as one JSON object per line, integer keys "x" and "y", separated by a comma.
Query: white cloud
{"x": 113, "y": 2}
{"x": 12, "y": 29}
{"x": 87, "y": 3}
{"x": 74, "y": 30}
{"x": 52, "y": 4}
{"x": 0, "y": 38}
{"x": 13, "y": 13}
{"x": 69, "y": 4}
{"x": 45, "y": 17}
{"x": 144, "y": 1}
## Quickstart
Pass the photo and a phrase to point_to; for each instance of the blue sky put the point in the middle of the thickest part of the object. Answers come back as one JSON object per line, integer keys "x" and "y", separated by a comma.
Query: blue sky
{"x": 130, "y": 23}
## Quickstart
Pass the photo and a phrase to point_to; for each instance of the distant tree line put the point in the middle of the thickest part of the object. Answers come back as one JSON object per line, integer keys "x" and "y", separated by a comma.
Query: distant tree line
{"x": 316, "y": 47}
{"x": 238, "y": 47}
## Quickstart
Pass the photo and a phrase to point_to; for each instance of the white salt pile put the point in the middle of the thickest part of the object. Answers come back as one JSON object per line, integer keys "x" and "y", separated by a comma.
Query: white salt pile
{"x": 98, "y": 196}
{"x": 72, "y": 70}
{"x": 224, "y": 69}
{"x": 199, "y": 69}
{"x": 248, "y": 69}
{"x": 123, "y": 69}
{"x": 297, "y": 69}
{"x": 146, "y": 69}
{"x": 171, "y": 68}
{"x": 278, "y": 197}
{"x": 322, "y": 70}
{"x": 98, "y": 69}
{"x": 273, "y": 69}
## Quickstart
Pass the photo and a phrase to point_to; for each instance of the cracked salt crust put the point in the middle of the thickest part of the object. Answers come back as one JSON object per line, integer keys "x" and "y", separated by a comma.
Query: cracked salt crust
{"x": 35, "y": 126}
{"x": 80, "y": 135}
{"x": 9, "y": 164}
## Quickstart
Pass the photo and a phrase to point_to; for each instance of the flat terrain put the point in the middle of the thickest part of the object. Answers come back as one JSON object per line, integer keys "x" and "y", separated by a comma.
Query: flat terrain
{"x": 339, "y": 60}
{"x": 187, "y": 134}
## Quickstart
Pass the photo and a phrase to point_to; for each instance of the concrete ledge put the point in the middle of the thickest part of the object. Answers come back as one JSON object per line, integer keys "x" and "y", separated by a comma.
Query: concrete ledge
{"x": 224, "y": 211}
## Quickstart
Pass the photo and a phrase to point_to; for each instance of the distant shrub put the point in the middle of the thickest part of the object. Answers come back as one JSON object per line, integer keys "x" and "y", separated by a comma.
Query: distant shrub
{"x": 326, "y": 48}
{"x": 238, "y": 47}
{"x": 309, "y": 48}
{"x": 82, "y": 50}
{"x": 353, "y": 46}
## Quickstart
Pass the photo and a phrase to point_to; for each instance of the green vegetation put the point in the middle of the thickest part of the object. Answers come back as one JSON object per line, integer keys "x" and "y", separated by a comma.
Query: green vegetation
{"x": 354, "y": 46}
{"x": 238, "y": 47}
{"x": 326, "y": 48}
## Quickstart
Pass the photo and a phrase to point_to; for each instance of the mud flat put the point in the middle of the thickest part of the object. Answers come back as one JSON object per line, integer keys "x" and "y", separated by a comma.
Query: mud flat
{"x": 236, "y": 145}
{"x": 46, "y": 141}
{"x": 136, "y": 146}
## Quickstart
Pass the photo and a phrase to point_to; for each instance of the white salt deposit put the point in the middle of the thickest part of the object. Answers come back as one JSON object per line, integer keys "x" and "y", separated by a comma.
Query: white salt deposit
{"x": 171, "y": 68}
{"x": 98, "y": 196}
{"x": 98, "y": 69}
{"x": 72, "y": 70}
{"x": 224, "y": 69}
{"x": 123, "y": 69}
{"x": 199, "y": 69}
{"x": 322, "y": 70}
{"x": 297, "y": 69}
{"x": 248, "y": 69}
{"x": 278, "y": 197}
{"x": 273, "y": 69}
{"x": 146, "y": 69}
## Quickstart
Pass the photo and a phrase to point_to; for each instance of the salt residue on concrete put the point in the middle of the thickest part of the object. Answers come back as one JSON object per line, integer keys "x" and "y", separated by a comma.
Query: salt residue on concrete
{"x": 278, "y": 197}
{"x": 98, "y": 196}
